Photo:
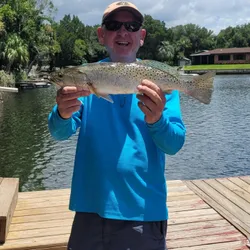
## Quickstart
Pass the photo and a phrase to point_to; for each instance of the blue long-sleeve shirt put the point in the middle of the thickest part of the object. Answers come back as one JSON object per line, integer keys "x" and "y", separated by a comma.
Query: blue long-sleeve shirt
{"x": 120, "y": 159}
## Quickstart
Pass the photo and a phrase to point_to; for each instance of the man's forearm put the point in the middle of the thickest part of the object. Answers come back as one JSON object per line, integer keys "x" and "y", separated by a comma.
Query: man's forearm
{"x": 168, "y": 134}
{"x": 62, "y": 129}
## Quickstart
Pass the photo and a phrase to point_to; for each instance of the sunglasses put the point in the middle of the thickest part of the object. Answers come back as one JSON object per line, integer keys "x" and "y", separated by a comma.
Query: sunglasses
{"x": 116, "y": 25}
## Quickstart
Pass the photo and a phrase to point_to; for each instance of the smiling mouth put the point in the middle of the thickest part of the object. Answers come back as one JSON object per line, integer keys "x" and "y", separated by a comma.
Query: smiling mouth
{"x": 122, "y": 43}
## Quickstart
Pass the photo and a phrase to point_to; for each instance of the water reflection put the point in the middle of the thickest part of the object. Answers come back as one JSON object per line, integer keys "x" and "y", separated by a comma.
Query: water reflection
{"x": 217, "y": 141}
{"x": 217, "y": 135}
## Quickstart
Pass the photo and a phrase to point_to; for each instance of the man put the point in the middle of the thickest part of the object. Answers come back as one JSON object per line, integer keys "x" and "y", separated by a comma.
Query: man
{"x": 118, "y": 187}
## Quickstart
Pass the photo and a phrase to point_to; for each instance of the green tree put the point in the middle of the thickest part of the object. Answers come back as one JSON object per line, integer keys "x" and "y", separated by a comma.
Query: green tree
{"x": 79, "y": 51}
{"x": 26, "y": 20}
{"x": 15, "y": 52}
{"x": 166, "y": 52}
{"x": 224, "y": 37}
{"x": 66, "y": 36}
{"x": 238, "y": 40}
{"x": 238, "y": 36}
{"x": 156, "y": 33}
{"x": 193, "y": 37}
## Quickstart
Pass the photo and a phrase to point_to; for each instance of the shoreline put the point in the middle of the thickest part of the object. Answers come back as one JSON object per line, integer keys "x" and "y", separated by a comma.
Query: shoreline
{"x": 219, "y": 71}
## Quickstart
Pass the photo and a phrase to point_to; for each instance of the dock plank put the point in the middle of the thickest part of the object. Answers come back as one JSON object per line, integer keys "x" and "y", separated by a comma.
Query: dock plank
{"x": 241, "y": 183}
{"x": 237, "y": 186}
{"x": 182, "y": 193}
{"x": 52, "y": 203}
{"x": 191, "y": 234}
{"x": 182, "y": 220}
{"x": 43, "y": 200}
{"x": 205, "y": 240}
{"x": 233, "y": 198}
{"x": 41, "y": 210}
{"x": 39, "y": 232}
{"x": 200, "y": 225}
{"x": 192, "y": 213}
{"x": 43, "y": 217}
{"x": 227, "y": 199}
{"x": 36, "y": 243}
{"x": 45, "y": 193}
{"x": 187, "y": 207}
{"x": 178, "y": 188}
{"x": 180, "y": 202}
{"x": 40, "y": 224}
{"x": 8, "y": 89}
{"x": 246, "y": 179}
{"x": 42, "y": 221}
{"x": 8, "y": 200}
{"x": 221, "y": 246}
{"x": 177, "y": 198}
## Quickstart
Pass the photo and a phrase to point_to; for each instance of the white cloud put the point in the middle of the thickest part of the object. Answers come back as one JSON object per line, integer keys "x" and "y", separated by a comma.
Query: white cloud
{"x": 212, "y": 14}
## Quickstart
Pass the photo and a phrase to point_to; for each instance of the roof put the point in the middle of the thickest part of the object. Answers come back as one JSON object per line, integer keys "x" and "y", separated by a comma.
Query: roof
{"x": 184, "y": 59}
{"x": 224, "y": 51}
{"x": 201, "y": 52}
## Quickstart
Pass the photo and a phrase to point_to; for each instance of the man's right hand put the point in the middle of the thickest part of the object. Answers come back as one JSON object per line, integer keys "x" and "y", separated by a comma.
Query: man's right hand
{"x": 67, "y": 100}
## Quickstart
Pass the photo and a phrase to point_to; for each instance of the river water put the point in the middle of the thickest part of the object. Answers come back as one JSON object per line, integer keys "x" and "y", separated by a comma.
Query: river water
{"x": 217, "y": 142}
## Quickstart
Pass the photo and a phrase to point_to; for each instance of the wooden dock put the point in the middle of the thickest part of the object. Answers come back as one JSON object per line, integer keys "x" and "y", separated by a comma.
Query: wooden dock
{"x": 228, "y": 196}
{"x": 32, "y": 84}
{"x": 8, "y": 89}
{"x": 204, "y": 215}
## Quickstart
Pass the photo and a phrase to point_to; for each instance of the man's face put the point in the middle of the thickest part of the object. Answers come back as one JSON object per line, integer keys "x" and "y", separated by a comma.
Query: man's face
{"x": 122, "y": 45}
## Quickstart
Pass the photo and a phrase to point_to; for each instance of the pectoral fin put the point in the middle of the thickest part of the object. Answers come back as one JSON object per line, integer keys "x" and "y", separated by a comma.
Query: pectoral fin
{"x": 107, "y": 97}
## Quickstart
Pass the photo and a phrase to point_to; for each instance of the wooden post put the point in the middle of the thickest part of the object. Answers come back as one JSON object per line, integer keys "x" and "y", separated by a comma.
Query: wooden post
{"x": 8, "y": 199}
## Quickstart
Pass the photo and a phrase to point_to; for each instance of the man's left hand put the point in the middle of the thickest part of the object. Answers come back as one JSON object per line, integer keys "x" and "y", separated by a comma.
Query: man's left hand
{"x": 152, "y": 101}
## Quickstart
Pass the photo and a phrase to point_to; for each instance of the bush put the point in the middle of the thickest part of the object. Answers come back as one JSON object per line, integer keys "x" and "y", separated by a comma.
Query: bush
{"x": 21, "y": 76}
{"x": 6, "y": 80}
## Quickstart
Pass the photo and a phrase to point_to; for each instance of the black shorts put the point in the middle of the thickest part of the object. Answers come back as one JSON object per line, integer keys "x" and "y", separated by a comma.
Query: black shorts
{"x": 92, "y": 232}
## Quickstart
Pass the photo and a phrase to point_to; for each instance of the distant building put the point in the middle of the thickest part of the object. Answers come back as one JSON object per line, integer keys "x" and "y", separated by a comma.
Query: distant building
{"x": 184, "y": 61}
{"x": 222, "y": 56}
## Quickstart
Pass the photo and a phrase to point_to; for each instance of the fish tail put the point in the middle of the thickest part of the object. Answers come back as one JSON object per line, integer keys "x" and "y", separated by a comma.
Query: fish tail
{"x": 203, "y": 87}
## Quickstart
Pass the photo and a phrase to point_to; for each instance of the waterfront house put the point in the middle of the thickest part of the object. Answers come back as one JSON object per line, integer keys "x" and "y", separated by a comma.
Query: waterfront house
{"x": 222, "y": 56}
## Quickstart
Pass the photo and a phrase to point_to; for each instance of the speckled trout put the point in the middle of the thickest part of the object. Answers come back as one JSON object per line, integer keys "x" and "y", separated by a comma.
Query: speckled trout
{"x": 106, "y": 78}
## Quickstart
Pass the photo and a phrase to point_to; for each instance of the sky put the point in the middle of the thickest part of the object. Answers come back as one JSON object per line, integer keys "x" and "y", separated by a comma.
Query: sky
{"x": 214, "y": 15}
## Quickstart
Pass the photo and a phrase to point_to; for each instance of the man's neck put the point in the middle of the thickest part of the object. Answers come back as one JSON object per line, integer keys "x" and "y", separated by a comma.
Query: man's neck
{"x": 114, "y": 58}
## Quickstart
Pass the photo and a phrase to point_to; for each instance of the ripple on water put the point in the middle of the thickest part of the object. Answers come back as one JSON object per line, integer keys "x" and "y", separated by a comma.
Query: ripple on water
{"x": 217, "y": 141}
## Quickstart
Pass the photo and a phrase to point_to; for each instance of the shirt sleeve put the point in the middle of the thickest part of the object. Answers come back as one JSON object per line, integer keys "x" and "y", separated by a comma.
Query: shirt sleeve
{"x": 169, "y": 132}
{"x": 62, "y": 129}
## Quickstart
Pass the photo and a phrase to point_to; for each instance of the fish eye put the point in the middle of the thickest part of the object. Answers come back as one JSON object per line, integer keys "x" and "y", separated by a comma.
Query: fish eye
{"x": 60, "y": 74}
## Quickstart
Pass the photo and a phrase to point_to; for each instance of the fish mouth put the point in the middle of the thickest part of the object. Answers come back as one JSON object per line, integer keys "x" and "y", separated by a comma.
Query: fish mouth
{"x": 122, "y": 43}
{"x": 54, "y": 79}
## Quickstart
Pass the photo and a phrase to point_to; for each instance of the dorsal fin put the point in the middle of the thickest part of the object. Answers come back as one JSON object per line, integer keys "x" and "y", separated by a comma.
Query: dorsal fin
{"x": 160, "y": 66}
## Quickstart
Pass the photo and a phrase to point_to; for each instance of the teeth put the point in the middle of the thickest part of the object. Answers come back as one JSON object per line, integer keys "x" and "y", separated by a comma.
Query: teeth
{"x": 122, "y": 43}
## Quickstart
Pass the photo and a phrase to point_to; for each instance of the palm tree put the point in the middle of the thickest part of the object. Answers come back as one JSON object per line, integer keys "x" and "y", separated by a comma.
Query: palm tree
{"x": 166, "y": 52}
{"x": 16, "y": 51}
{"x": 2, "y": 38}
{"x": 183, "y": 45}
{"x": 2, "y": 28}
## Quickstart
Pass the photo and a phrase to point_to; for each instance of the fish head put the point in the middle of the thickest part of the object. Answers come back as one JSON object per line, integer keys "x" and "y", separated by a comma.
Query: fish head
{"x": 71, "y": 76}
{"x": 57, "y": 77}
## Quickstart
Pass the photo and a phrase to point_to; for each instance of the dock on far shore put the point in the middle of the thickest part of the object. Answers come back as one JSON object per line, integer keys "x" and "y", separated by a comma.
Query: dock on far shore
{"x": 32, "y": 84}
{"x": 26, "y": 85}
{"x": 219, "y": 71}
{"x": 8, "y": 89}
{"x": 210, "y": 214}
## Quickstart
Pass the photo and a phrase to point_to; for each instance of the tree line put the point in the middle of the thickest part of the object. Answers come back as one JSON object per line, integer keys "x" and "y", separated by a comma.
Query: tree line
{"x": 29, "y": 35}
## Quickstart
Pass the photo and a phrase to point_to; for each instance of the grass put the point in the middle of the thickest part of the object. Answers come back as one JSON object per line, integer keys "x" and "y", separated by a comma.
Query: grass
{"x": 217, "y": 66}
